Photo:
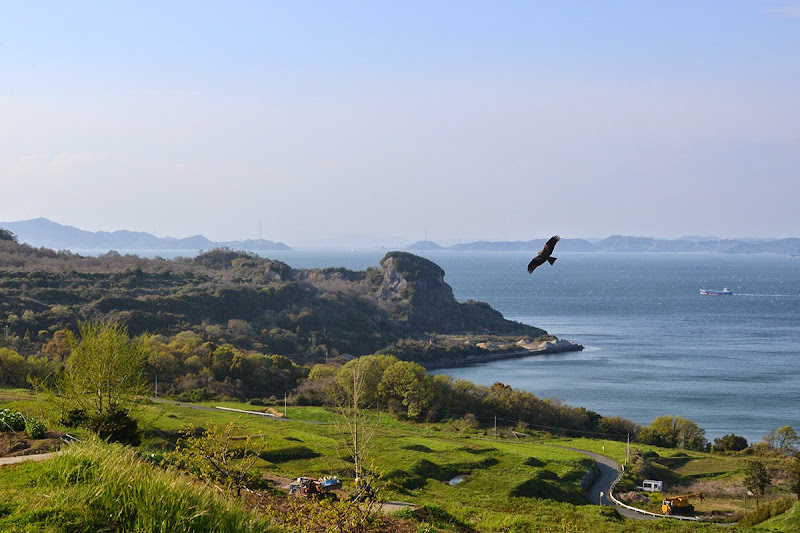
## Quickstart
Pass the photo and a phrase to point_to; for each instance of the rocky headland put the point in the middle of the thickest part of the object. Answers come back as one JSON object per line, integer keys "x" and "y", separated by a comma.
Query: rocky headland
{"x": 403, "y": 306}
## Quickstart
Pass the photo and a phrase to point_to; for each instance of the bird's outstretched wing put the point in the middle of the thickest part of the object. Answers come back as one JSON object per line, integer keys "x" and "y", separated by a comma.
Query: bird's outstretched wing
{"x": 544, "y": 255}
{"x": 535, "y": 262}
{"x": 550, "y": 245}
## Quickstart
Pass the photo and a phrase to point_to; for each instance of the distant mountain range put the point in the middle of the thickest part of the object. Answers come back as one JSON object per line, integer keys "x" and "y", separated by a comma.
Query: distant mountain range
{"x": 41, "y": 232}
{"x": 49, "y": 234}
{"x": 620, "y": 243}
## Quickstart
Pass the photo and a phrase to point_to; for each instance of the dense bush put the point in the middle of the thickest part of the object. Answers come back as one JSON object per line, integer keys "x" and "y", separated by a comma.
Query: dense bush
{"x": 766, "y": 511}
{"x": 35, "y": 429}
{"x": 114, "y": 424}
{"x": 194, "y": 395}
{"x": 74, "y": 418}
{"x": 11, "y": 420}
{"x": 729, "y": 443}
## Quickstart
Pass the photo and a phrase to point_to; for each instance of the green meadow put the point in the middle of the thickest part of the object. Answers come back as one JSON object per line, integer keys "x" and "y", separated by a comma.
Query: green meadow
{"x": 509, "y": 483}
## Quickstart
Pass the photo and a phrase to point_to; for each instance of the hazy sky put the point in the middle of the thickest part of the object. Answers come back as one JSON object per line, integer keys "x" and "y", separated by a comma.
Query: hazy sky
{"x": 469, "y": 120}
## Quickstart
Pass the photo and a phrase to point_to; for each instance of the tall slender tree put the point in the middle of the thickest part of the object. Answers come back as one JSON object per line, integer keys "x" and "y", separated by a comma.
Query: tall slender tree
{"x": 757, "y": 478}
{"x": 104, "y": 376}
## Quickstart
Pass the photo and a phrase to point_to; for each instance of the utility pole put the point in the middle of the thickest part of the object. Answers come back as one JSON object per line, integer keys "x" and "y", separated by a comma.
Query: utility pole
{"x": 495, "y": 426}
{"x": 156, "y": 385}
{"x": 628, "y": 453}
{"x": 284, "y": 405}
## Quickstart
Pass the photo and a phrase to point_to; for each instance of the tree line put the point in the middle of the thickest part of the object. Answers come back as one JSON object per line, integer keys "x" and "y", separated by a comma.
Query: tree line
{"x": 187, "y": 367}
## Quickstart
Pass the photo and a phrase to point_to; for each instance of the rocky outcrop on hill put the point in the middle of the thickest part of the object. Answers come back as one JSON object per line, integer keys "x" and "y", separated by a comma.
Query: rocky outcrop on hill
{"x": 413, "y": 292}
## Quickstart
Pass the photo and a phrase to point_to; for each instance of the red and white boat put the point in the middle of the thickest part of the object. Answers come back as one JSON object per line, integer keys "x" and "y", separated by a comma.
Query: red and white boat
{"x": 726, "y": 291}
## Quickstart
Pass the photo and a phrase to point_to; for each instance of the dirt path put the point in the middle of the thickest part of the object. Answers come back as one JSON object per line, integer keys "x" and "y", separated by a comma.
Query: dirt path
{"x": 22, "y": 458}
{"x": 393, "y": 507}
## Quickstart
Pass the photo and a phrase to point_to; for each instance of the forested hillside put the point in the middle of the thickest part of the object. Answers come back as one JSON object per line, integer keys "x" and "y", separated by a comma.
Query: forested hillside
{"x": 403, "y": 306}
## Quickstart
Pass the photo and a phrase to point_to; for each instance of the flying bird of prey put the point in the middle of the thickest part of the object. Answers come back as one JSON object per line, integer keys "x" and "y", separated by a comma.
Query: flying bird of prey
{"x": 544, "y": 255}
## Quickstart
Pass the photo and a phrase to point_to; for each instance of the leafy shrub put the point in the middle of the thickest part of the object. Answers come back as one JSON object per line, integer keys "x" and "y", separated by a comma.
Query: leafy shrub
{"x": 733, "y": 443}
{"x": 611, "y": 512}
{"x": 195, "y": 396}
{"x": 767, "y": 511}
{"x": 74, "y": 418}
{"x": 290, "y": 453}
{"x": 113, "y": 425}
{"x": 116, "y": 425}
{"x": 35, "y": 429}
{"x": 210, "y": 457}
{"x": 11, "y": 420}
{"x": 5, "y": 507}
{"x": 435, "y": 516}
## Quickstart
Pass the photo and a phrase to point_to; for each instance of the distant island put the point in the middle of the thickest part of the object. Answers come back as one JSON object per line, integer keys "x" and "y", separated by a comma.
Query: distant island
{"x": 41, "y": 232}
{"x": 621, "y": 243}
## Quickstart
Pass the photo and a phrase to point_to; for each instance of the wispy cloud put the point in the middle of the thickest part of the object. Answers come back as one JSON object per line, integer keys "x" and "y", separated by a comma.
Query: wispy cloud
{"x": 67, "y": 161}
{"x": 783, "y": 8}
{"x": 42, "y": 166}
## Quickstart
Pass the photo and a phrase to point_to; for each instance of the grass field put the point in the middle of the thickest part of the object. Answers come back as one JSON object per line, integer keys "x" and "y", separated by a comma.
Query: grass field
{"x": 509, "y": 484}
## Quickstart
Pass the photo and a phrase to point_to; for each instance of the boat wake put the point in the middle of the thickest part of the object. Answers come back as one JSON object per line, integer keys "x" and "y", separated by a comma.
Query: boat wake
{"x": 769, "y": 295}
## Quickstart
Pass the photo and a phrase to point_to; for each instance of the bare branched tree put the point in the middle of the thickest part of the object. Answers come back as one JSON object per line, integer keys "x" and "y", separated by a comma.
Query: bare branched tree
{"x": 357, "y": 422}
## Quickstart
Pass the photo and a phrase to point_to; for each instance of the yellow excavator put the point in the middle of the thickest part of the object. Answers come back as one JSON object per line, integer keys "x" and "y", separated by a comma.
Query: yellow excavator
{"x": 680, "y": 504}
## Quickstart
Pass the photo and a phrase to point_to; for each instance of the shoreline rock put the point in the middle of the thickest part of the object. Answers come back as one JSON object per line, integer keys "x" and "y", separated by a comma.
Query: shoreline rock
{"x": 543, "y": 348}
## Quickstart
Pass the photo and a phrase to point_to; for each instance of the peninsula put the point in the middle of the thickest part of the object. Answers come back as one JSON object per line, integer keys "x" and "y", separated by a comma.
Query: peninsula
{"x": 402, "y": 307}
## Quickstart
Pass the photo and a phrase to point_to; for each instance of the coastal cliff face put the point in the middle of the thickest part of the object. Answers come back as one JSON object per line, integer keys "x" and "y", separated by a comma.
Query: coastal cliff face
{"x": 413, "y": 291}
{"x": 404, "y": 306}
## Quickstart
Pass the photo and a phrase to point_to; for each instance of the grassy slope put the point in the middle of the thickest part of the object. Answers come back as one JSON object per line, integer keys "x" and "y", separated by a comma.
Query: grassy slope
{"x": 98, "y": 487}
{"x": 510, "y": 485}
{"x": 788, "y": 521}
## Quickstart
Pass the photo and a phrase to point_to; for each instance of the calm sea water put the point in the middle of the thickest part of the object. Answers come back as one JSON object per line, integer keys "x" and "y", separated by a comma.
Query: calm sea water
{"x": 654, "y": 345}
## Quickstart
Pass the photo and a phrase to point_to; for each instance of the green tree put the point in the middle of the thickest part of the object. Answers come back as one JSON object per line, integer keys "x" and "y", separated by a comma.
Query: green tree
{"x": 13, "y": 368}
{"x": 756, "y": 478}
{"x": 794, "y": 475}
{"x": 370, "y": 369}
{"x": 7, "y": 235}
{"x": 729, "y": 443}
{"x": 103, "y": 378}
{"x": 784, "y": 439}
{"x": 407, "y": 383}
{"x": 674, "y": 431}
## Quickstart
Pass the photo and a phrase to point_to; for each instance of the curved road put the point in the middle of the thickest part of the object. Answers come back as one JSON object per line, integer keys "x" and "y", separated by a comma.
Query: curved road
{"x": 609, "y": 470}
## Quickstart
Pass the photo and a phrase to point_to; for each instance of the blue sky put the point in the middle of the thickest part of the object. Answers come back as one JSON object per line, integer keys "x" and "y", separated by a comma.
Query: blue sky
{"x": 466, "y": 120}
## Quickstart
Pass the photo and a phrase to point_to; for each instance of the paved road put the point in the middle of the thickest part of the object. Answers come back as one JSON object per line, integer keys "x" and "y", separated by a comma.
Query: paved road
{"x": 241, "y": 411}
{"x": 609, "y": 470}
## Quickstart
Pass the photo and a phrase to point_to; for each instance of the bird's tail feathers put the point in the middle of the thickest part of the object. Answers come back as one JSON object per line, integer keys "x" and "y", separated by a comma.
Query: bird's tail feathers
{"x": 551, "y": 260}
